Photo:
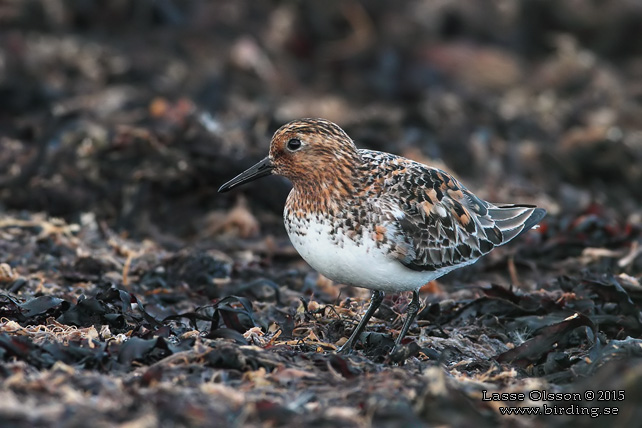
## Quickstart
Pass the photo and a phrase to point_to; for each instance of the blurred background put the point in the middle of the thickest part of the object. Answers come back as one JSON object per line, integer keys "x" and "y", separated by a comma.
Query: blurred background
{"x": 119, "y": 120}
{"x": 137, "y": 111}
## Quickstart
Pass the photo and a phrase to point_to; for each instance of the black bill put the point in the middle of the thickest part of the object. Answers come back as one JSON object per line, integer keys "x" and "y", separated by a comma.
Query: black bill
{"x": 259, "y": 170}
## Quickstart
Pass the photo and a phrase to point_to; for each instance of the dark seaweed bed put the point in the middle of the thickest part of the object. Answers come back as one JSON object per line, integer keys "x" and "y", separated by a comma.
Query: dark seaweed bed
{"x": 132, "y": 293}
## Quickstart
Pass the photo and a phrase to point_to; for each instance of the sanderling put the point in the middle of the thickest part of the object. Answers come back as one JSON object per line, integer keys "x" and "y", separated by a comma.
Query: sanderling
{"x": 376, "y": 220}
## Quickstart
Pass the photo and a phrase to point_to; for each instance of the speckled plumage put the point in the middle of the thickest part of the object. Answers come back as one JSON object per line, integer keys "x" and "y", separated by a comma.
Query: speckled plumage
{"x": 377, "y": 220}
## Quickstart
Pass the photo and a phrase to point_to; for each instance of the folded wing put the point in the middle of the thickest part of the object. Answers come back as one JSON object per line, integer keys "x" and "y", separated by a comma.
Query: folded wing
{"x": 438, "y": 223}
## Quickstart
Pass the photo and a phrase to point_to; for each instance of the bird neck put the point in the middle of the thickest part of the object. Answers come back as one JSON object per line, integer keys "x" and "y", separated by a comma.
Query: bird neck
{"x": 327, "y": 188}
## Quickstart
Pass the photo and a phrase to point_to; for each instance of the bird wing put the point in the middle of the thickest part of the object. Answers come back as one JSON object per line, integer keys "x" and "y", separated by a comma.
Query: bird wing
{"x": 434, "y": 222}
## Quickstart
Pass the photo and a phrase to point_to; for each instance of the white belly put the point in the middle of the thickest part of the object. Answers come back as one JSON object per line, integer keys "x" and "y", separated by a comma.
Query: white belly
{"x": 363, "y": 265}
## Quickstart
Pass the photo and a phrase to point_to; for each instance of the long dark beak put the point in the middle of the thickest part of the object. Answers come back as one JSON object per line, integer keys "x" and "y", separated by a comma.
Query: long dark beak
{"x": 259, "y": 170}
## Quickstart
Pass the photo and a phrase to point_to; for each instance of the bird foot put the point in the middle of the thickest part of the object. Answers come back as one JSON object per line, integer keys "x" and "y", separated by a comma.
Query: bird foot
{"x": 345, "y": 349}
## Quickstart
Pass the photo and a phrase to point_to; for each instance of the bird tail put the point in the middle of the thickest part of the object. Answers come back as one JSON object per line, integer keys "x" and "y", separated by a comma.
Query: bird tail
{"x": 513, "y": 220}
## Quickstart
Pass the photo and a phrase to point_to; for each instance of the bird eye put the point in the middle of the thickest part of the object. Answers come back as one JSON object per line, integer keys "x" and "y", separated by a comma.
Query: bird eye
{"x": 294, "y": 144}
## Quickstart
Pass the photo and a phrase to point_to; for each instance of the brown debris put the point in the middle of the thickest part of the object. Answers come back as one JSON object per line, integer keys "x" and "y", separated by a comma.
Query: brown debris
{"x": 132, "y": 294}
{"x": 238, "y": 221}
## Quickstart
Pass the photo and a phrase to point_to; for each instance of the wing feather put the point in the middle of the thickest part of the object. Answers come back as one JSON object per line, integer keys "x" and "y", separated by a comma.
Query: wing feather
{"x": 434, "y": 222}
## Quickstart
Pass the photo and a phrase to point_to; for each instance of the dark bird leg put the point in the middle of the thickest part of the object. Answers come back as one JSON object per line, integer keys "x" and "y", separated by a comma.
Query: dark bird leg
{"x": 375, "y": 302}
{"x": 411, "y": 313}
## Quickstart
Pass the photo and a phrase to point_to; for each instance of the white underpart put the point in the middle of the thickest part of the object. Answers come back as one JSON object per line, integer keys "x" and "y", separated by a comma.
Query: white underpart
{"x": 362, "y": 265}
